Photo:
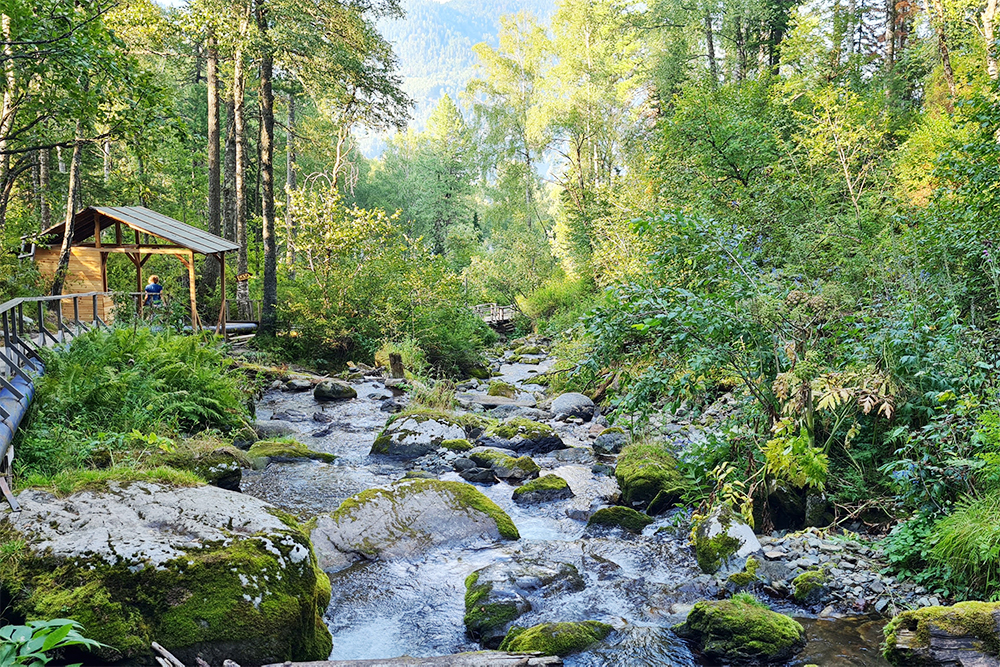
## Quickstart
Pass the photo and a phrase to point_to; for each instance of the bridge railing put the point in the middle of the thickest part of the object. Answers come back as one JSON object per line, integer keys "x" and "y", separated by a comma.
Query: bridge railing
{"x": 492, "y": 312}
{"x": 29, "y": 323}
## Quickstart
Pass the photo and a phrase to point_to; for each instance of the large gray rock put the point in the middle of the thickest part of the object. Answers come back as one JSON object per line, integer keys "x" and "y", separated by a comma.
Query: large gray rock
{"x": 573, "y": 405}
{"x": 503, "y": 412}
{"x": 275, "y": 428}
{"x": 414, "y": 436}
{"x": 334, "y": 390}
{"x": 190, "y": 568}
{"x": 407, "y": 519}
{"x": 723, "y": 542}
{"x": 498, "y": 594}
{"x": 964, "y": 635}
{"x": 523, "y": 436}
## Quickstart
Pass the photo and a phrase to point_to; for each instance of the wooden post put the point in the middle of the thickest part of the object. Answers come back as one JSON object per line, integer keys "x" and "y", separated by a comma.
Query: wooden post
{"x": 223, "y": 306}
{"x": 139, "y": 287}
{"x": 195, "y": 324}
{"x": 396, "y": 369}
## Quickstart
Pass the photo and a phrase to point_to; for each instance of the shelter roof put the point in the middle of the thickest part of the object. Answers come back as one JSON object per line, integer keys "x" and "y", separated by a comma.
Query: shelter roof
{"x": 146, "y": 221}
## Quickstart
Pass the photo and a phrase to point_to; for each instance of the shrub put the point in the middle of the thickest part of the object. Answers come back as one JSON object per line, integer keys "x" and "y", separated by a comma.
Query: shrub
{"x": 965, "y": 546}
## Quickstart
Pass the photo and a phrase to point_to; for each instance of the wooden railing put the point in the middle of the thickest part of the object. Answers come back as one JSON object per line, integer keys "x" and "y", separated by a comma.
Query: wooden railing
{"x": 491, "y": 312}
{"x": 29, "y": 323}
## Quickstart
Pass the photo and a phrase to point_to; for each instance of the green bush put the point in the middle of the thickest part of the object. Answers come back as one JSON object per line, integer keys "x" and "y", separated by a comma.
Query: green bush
{"x": 965, "y": 547}
{"x": 560, "y": 303}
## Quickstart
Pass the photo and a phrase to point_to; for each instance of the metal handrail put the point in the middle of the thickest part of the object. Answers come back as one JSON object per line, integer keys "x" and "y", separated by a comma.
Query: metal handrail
{"x": 20, "y": 362}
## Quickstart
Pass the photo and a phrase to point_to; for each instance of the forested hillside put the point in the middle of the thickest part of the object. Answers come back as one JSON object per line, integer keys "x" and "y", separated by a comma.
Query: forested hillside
{"x": 789, "y": 205}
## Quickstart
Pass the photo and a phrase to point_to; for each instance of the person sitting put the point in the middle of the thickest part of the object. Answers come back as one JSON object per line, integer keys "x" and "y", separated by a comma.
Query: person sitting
{"x": 153, "y": 290}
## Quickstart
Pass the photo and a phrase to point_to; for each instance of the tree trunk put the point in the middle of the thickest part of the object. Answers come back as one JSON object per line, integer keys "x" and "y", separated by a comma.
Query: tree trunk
{"x": 211, "y": 271}
{"x": 890, "y": 34}
{"x": 713, "y": 64}
{"x": 229, "y": 174}
{"x": 942, "y": 35}
{"x": 72, "y": 198}
{"x": 106, "y": 159}
{"x": 242, "y": 286}
{"x": 6, "y": 110}
{"x": 269, "y": 306}
{"x": 44, "y": 210}
{"x": 989, "y": 34}
{"x": 290, "y": 185}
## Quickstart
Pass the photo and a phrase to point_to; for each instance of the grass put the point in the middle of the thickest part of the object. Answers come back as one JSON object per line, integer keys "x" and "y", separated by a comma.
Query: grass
{"x": 67, "y": 482}
{"x": 966, "y": 545}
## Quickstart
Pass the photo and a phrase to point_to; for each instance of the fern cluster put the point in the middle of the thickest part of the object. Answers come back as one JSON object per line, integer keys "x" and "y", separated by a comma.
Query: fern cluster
{"x": 121, "y": 381}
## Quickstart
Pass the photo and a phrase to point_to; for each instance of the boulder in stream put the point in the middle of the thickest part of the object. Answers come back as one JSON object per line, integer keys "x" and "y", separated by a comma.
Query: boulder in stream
{"x": 610, "y": 441}
{"x": 414, "y": 435}
{"x": 573, "y": 405}
{"x": 621, "y": 517}
{"x": 201, "y": 570}
{"x": 523, "y": 436}
{"x": 509, "y": 468}
{"x": 407, "y": 519}
{"x": 742, "y": 630}
{"x": 545, "y": 489}
{"x": 283, "y": 451}
{"x": 964, "y": 635}
{"x": 723, "y": 542}
{"x": 648, "y": 477}
{"x": 334, "y": 390}
{"x": 559, "y": 639}
{"x": 497, "y": 595}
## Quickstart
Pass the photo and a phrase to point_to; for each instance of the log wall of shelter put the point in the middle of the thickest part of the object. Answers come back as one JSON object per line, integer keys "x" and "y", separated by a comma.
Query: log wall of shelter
{"x": 85, "y": 275}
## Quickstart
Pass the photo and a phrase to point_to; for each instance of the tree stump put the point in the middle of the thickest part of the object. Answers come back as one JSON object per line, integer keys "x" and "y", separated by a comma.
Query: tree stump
{"x": 396, "y": 365}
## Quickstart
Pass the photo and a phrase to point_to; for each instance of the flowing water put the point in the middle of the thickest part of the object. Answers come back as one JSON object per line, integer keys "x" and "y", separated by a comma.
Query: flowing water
{"x": 639, "y": 584}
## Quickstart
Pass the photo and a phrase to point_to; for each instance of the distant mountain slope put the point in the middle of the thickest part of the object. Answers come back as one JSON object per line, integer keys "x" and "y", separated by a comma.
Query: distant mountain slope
{"x": 434, "y": 44}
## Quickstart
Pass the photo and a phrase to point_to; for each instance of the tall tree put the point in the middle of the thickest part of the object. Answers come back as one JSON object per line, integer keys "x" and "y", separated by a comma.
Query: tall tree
{"x": 211, "y": 271}
{"x": 269, "y": 306}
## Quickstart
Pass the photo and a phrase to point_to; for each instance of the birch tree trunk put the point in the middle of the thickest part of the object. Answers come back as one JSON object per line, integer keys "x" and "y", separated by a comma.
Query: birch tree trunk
{"x": 7, "y": 111}
{"x": 72, "y": 198}
{"x": 211, "y": 272}
{"x": 242, "y": 286}
{"x": 989, "y": 16}
{"x": 290, "y": 185}
{"x": 229, "y": 174}
{"x": 44, "y": 210}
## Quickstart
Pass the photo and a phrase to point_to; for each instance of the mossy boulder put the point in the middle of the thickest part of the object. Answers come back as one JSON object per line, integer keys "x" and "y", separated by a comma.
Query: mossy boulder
{"x": 264, "y": 452}
{"x": 500, "y": 388}
{"x": 746, "y": 578}
{"x": 510, "y": 468}
{"x": 457, "y": 445}
{"x": 218, "y": 464}
{"x": 967, "y": 633}
{"x": 407, "y": 519}
{"x": 335, "y": 390}
{"x": 649, "y": 479}
{"x": 497, "y": 595}
{"x": 201, "y": 570}
{"x": 555, "y": 638}
{"x": 415, "y": 435}
{"x": 611, "y": 441}
{"x": 529, "y": 349}
{"x": 723, "y": 542}
{"x": 523, "y": 436}
{"x": 545, "y": 489}
{"x": 811, "y": 587}
{"x": 742, "y": 631}
{"x": 621, "y": 517}
{"x": 480, "y": 372}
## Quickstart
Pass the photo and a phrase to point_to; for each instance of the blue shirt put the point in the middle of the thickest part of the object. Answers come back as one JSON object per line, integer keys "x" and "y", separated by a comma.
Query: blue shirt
{"x": 153, "y": 293}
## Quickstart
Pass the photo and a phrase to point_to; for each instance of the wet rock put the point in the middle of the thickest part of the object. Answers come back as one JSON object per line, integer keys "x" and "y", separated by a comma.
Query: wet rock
{"x": 298, "y": 384}
{"x": 610, "y": 441}
{"x": 207, "y": 564}
{"x": 506, "y": 467}
{"x": 523, "y": 436}
{"x": 542, "y": 490}
{"x": 648, "y": 477}
{"x": 503, "y": 412}
{"x": 811, "y": 587}
{"x": 274, "y": 429}
{"x": 265, "y": 452}
{"x": 495, "y": 596}
{"x": 294, "y": 416}
{"x": 573, "y": 405}
{"x": 964, "y": 635}
{"x": 817, "y": 510}
{"x": 500, "y": 388}
{"x": 334, "y": 390}
{"x": 469, "y": 401}
{"x": 621, "y": 517}
{"x": 478, "y": 475}
{"x": 559, "y": 639}
{"x": 416, "y": 435}
{"x": 391, "y": 405}
{"x": 737, "y": 631}
{"x": 406, "y": 520}
{"x": 723, "y": 541}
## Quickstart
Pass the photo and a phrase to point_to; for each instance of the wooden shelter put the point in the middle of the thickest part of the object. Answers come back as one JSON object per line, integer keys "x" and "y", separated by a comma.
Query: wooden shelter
{"x": 139, "y": 233}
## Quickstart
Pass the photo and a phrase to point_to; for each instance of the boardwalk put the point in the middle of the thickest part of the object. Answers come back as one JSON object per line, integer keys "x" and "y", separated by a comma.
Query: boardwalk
{"x": 500, "y": 318}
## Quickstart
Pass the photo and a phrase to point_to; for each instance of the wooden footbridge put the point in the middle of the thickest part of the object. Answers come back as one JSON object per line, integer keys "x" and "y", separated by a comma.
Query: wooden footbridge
{"x": 500, "y": 318}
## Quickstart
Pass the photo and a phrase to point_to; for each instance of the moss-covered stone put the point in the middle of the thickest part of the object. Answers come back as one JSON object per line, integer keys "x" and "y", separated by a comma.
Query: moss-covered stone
{"x": 915, "y": 637}
{"x": 218, "y": 463}
{"x": 745, "y": 578}
{"x": 482, "y": 618}
{"x": 544, "y": 489}
{"x": 555, "y": 638}
{"x": 712, "y": 551}
{"x": 648, "y": 477}
{"x": 457, "y": 445}
{"x": 808, "y": 587}
{"x": 265, "y": 451}
{"x": 479, "y": 372}
{"x": 500, "y": 388}
{"x": 253, "y": 598}
{"x": 504, "y": 466}
{"x": 529, "y": 349}
{"x": 623, "y": 517}
{"x": 741, "y": 631}
{"x": 612, "y": 429}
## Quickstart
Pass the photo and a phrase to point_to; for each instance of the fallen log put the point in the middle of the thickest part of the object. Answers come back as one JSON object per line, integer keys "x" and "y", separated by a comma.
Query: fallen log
{"x": 477, "y": 659}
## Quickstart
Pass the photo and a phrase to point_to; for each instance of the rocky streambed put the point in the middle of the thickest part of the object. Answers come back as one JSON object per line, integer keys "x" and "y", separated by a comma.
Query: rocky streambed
{"x": 406, "y": 591}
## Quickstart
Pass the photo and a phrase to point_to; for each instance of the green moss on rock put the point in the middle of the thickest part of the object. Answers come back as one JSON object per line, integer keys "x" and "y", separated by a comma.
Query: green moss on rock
{"x": 499, "y": 388}
{"x": 808, "y": 585}
{"x": 977, "y": 621}
{"x": 555, "y": 638}
{"x": 286, "y": 450}
{"x": 521, "y": 467}
{"x": 253, "y": 599}
{"x": 648, "y": 477}
{"x": 529, "y": 349}
{"x": 543, "y": 483}
{"x": 739, "y": 631}
{"x": 519, "y": 427}
{"x": 624, "y": 517}
{"x": 747, "y": 577}
{"x": 481, "y": 617}
{"x": 457, "y": 445}
{"x": 712, "y": 552}
{"x": 612, "y": 429}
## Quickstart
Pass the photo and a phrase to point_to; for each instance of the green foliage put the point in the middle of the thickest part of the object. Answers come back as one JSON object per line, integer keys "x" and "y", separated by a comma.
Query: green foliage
{"x": 966, "y": 546}
{"x": 30, "y": 644}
